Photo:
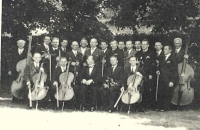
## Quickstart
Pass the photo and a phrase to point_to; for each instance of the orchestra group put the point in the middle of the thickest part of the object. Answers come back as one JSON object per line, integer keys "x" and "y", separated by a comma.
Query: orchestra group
{"x": 107, "y": 76}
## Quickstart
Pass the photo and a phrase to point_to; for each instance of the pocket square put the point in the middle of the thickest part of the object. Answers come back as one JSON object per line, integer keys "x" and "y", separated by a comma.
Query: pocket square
{"x": 147, "y": 57}
{"x": 168, "y": 62}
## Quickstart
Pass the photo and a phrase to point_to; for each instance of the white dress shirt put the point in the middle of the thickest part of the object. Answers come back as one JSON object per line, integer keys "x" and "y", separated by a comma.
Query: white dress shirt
{"x": 63, "y": 68}
{"x": 167, "y": 56}
{"x": 92, "y": 50}
{"x": 177, "y": 50}
{"x": 75, "y": 52}
{"x": 46, "y": 46}
{"x": 113, "y": 67}
{"x": 83, "y": 50}
{"x": 91, "y": 67}
{"x": 37, "y": 65}
{"x": 133, "y": 68}
{"x": 20, "y": 51}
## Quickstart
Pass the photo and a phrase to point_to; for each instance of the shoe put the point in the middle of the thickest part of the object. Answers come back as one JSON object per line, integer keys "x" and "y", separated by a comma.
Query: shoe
{"x": 92, "y": 109}
{"x": 141, "y": 110}
{"x": 110, "y": 111}
{"x": 156, "y": 109}
{"x": 83, "y": 109}
{"x": 162, "y": 110}
{"x": 29, "y": 108}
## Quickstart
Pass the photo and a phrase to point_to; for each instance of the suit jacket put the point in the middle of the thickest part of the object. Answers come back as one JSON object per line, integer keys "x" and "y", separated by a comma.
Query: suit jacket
{"x": 57, "y": 72}
{"x": 127, "y": 56}
{"x": 168, "y": 69}
{"x": 117, "y": 75}
{"x": 79, "y": 57}
{"x": 106, "y": 55}
{"x": 41, "y": 49}
{"x": 147, "y": 61}
{"x": 127, "y": 73}
{"x": 30, "y": 71}
{"x": 14, "y": 59}
{"x": 96, "y": 54}
{"x": 95, "y": 75}
{"x": 180, "y": 55}
{"x": 79, "y": 50}
{"x": 120, "y": 56}
{"x": 54, "y": 54}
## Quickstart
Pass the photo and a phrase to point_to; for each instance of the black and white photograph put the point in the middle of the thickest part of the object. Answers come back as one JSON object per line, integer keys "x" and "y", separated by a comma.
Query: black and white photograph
{"x": 100, "y": 64}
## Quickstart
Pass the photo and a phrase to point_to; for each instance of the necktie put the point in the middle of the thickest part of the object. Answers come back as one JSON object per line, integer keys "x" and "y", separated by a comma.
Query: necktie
{"x": 63, "y": 69}
{"x": 113, "y": 68}
{"x": 20, "y": 52}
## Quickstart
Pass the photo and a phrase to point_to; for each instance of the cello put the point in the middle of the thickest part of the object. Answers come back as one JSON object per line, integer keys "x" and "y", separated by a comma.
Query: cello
{"x": 17, "y": 85}
{"x": 39, "y": 90}
{"x": 183, "y": 93}
{"x": 65, "y": 92}
{"x": 132, "y": 95}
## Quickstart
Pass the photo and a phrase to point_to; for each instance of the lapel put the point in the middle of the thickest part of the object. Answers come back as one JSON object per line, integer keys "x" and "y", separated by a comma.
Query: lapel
{"x": 113, "y": 73}
{"x": 94, "y": 53}
{"x": 72, "y": 53}
{"x": 94, "y": 69}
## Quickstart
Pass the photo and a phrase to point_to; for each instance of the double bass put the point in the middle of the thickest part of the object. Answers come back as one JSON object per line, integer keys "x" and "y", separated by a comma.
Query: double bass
{"x": 65, "y": 92}
{"x": 17, "y": 85}
{"x": 39, "y": 90}
{"x": 183, "y": 93}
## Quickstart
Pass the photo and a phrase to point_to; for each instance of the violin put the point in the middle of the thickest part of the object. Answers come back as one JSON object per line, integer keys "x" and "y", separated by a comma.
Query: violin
{"x": 65, "y": 92}
{"x": 39, "y": 90}
{"x": 183, "y": 93}
{"x": 17, "y": 85}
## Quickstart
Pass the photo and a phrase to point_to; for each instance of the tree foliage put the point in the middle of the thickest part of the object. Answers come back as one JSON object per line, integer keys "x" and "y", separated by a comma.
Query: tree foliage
{"x": 71, "y": 18}
{"x": 163, "y": 15}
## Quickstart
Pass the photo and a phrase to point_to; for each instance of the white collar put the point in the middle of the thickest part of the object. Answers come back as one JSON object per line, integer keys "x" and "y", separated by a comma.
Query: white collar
{"x": 93, "y": 48}
{"x": 129, "y": 50}
{"x": 83, "y": 48}
{"x": 167, "y": 56}
{"x": 55, "y": 48}
{"x": 74, "y": 51}
{"x": 145, "y": 50}
{"x": 36, "y": 64}
{"x": 138, "y": 49}
{"x": 177, "y": 50}
{"x": 21, "y": 49}
{"x": 114, "y": 66}
{"x": 104, "y": 50}
{"x": 92, "y": 66}
{"x": 158, "y": 52}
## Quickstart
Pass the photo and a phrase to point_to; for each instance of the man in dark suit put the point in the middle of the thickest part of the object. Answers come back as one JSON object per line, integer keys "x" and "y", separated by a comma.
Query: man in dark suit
{"x": 168, "y": 76}
{"x": 30, "y": 71}
{"x": 54, "y": 51}
{"x": 44, "y": 50}
{"x": 94, "y": 51}
{"x": 147, "y": 59}
{"x": 64, "y": 47}
{"x": 179, "y": 50}
{"x": 106, "y": 53}
{"x": 19, "y": 53}
{"x": 113, "y": 80}
{"x": 117, "y": 52}
{"x": 121, "y": 45}
{"x": 90, "y": 78}
{"x": 138, "y": 46}
{"x": 131, "y": 70}
{"x": 56, "y": 82}
{"x": 83, "y": 46}
{"x": 128, "y": 53}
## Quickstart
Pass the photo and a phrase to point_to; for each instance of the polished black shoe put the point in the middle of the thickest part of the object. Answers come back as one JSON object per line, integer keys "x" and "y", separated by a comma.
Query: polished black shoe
{"x": 92, "y": 109}
{"x": 141, "y": 110}
{"x": 83, "y": 109}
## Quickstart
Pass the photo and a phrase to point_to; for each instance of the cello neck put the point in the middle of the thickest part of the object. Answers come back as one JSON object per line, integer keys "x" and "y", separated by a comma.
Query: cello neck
{"x": 29, "y": 50}
{"x": 137, "y": 67}
{"x": 185, "y": 60}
